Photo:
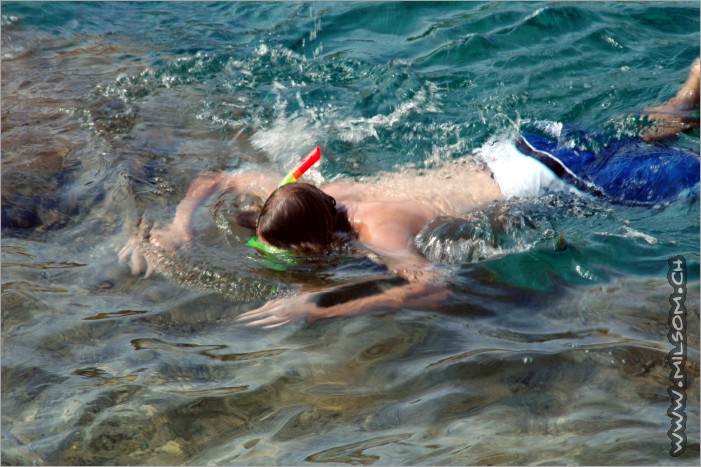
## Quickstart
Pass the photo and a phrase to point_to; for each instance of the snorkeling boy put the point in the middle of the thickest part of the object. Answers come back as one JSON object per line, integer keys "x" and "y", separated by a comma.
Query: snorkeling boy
{"x": 385, "y": 216}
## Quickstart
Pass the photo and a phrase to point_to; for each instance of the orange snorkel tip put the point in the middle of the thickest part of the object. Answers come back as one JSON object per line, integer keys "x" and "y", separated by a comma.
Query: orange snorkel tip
{"x": 306, "y": 163}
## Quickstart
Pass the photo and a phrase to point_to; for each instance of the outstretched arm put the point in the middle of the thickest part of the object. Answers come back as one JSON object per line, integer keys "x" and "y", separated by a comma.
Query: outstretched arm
{"x": 347, "y": 300}
{"x": 178, "y": 233}
{"x": 416, "y": 283}
{"x": 207, "y": 184}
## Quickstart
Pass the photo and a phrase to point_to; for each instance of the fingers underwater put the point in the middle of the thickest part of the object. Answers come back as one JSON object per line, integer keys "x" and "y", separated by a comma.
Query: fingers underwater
{"x": 138, "y": 264}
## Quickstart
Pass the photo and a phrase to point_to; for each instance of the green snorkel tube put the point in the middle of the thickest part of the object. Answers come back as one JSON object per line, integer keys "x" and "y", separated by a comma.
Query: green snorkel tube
{"x": 291, "y": 177}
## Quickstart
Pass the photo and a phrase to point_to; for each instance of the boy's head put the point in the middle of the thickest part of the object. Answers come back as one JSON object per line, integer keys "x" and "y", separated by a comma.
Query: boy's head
{"x": 301, "y": 217}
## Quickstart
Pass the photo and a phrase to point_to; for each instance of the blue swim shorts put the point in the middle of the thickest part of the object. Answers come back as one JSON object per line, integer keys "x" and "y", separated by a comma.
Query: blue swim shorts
{"x": 625, "y": 170}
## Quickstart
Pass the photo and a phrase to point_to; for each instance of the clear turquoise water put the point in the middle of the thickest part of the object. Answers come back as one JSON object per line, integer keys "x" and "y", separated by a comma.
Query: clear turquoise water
{"x": 109, "y": 110}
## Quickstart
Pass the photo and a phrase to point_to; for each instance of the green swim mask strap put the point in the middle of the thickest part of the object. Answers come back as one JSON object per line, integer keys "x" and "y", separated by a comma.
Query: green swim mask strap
{"x": 291, "y": 177}
{"x": 255, "y": 242}
{"x": 277, "y": 259}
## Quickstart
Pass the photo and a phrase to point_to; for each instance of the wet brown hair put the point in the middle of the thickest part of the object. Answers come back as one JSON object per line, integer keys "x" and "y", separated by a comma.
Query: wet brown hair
{"x": 301, "y": 217}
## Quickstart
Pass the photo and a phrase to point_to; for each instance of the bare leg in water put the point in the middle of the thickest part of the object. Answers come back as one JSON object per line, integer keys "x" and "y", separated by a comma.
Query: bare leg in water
{"x": 678, "y": 114}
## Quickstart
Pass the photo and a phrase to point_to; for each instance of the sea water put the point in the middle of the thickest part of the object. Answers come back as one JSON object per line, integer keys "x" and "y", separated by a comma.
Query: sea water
{"x": 553, "y": 346}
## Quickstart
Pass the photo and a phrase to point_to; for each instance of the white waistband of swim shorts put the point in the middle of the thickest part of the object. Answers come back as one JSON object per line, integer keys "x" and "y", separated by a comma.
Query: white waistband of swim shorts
{"x": 519, "y": 175}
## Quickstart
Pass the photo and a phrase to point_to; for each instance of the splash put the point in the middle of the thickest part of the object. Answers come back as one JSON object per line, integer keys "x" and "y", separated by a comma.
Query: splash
{"x": 316, "y": 124}
{"x": 515, "y": 226}
{"x": 199, "y": 269}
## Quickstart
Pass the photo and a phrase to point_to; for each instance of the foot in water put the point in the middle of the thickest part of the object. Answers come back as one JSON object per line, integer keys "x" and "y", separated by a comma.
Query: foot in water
{"x": 680, "y": 113}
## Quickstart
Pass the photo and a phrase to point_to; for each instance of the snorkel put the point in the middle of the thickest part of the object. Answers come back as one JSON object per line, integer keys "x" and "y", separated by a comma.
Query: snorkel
{"x": 306, "y": 163}
{"x": 291, "y": 177}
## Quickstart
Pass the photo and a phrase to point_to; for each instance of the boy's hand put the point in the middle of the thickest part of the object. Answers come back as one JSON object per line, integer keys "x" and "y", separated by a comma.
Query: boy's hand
{"x": 281, "y": 311}
{"x": 134, "y": 253}
{"x": 167, "y": 239}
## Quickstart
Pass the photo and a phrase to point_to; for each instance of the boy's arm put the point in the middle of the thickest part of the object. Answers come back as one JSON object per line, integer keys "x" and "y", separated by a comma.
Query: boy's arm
{"x": 364, "y": 297}
{"x": 179, "y": 232}
{"x": 209, "y": 183}
{"x": 417, "y": 284}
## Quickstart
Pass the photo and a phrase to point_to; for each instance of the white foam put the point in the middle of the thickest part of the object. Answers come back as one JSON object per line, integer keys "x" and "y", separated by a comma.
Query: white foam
{"x": 309, "y": 127}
